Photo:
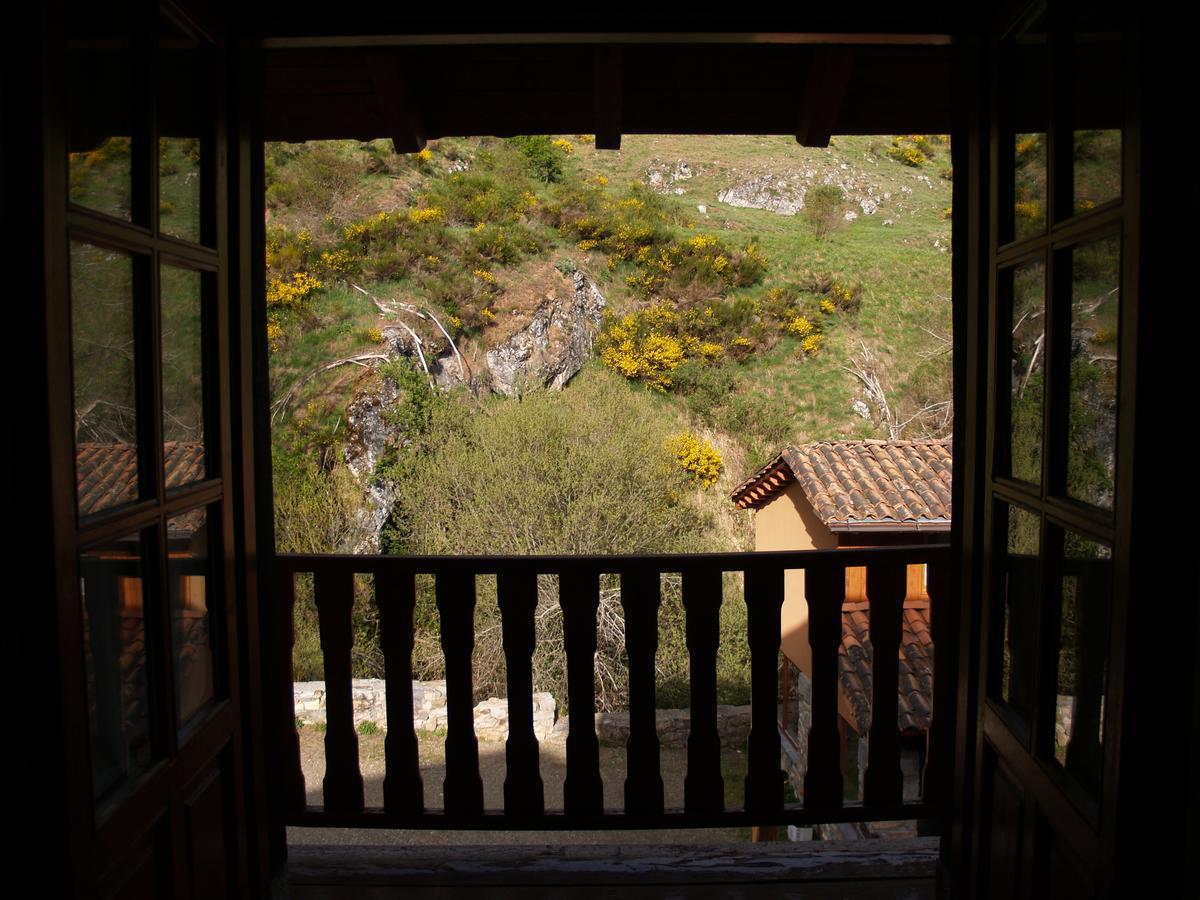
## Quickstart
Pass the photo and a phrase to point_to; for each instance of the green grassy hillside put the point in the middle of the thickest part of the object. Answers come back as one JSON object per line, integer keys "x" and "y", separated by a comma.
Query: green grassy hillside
{"x": 474, "y": 228}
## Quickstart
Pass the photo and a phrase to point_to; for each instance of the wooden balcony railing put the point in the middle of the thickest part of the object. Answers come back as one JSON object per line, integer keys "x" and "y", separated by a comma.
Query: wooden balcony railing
{"x": 579, "y": 595}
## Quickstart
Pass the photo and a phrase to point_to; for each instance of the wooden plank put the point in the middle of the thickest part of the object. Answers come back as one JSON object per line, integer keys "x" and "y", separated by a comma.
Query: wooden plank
{"x": 395, "y": 595}
{"x": 703, "y": 787}
{"x": 523, "y": 790}
{"x": 824, "y": 91}
{"x": 343, "y": 784}
{"x": 935, "y": 781}
{"x": 293, "y": 774}
{"x": 824, "y": 588}
{"x": 607, "y": 75}
{"x": 764, "y": 601}
{"x": 462, "y": 789}
{"x": 640, "y": 598}
{"x": 579, "y": 596}
{"x": 393, "y": 92}
{"x": 879, "y": 865}
{"x": 886, "y": 586}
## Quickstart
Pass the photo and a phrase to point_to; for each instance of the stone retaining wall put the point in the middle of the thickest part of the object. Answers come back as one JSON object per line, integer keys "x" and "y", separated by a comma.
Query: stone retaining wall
{"x": 491, "y": 716}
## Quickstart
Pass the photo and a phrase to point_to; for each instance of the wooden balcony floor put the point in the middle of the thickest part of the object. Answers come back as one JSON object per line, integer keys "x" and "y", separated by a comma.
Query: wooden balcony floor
{"x": 893, "y": 870}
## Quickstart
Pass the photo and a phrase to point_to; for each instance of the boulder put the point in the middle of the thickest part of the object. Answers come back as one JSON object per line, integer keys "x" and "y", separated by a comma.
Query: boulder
{"x": 553, "y": 346}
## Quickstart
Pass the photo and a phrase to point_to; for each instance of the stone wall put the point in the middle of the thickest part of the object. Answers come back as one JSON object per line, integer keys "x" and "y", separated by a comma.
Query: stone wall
{"x": 491, "y": 716}
{"x": 429, "y": 708}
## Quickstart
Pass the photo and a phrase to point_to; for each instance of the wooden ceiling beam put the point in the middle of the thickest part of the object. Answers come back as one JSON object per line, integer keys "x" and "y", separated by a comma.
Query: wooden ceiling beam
{"x": 396, "y": 102}
{"x": 607, "y": 71}
{"x": 824, "y": 91}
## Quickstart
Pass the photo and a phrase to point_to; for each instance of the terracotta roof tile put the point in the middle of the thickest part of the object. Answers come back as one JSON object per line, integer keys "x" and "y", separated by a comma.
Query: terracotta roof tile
{"x": 915, "y": 690}
{"x": 106, "y": 474}
{"x": 888, "y": 484}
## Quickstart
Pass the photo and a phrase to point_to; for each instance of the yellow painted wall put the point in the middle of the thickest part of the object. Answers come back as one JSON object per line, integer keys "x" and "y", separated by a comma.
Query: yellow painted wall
{"x": 787, "y": 522}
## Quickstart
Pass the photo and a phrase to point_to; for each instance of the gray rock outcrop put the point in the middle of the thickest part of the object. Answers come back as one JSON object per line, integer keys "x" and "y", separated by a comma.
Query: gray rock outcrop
{"x": 553, "y": 346}
{"x": 369, "y": 435}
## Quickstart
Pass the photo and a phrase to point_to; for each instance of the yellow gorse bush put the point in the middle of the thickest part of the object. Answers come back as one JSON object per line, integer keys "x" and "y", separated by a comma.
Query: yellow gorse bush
{"x": 291, "y": 294}
{"x": 426, "y": 215}
{"x": 424, "y": 154}
{"x": 564, "y": 145}
{"x": 800, "y": 327}
{"x": 697, "y": 457}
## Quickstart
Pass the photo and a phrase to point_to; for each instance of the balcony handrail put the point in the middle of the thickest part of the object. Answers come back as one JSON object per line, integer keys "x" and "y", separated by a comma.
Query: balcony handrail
{"x": 455, "y": 591}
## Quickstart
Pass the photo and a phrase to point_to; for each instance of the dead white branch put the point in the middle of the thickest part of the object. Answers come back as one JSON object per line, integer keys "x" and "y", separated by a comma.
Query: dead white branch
{"x": 364, "y": 360}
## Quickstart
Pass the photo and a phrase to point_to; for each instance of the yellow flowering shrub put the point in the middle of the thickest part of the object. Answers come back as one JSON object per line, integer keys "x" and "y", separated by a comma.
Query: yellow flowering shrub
{"x": 338, "y": 262}
{"x": 800, "y": 327}
{"x": 828, "y": 306}
{"x": 697, "y": 457}
{"x": 424, "y": 154}
{"x": 601, "y": 180}
{"x": 1027, "y": 144}
{"x": 426, "y": 215}
{"x": 291, "y": 293}
{"x": 948, "y": 212}
{"x": 487, "y": 315}
{"x": 484, "y": 275}
{"x": 375, "y": 335}
{"x": 1030, "y": 210}
{"x": 811, "y": 344}
{"x": 564, "y": 145}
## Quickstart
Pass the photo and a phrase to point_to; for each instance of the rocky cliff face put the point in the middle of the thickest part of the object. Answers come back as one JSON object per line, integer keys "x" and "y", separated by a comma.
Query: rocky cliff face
{"x": 545, "y": 351}
{"x": 369, "y": 435}
{"x": 553, "y": 346}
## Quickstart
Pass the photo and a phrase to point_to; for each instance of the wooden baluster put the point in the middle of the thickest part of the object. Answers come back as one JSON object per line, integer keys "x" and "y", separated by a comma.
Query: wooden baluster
{"x": 825, "y": 590}
{"x": 764, "y": 778}
{"x": 640, "y": 598}
{"x": 343, "y": 784}
{"x": 942, "y": 620}
{"x": 579, "y": 596}
{"x": 517, "y": 594}
{"x": 887, "y": 583}
{"x": 395, "y": 596}
{"x": 703, "y": 787}
{"x": 462, "y": 789}
{"x": 293, "y": 773}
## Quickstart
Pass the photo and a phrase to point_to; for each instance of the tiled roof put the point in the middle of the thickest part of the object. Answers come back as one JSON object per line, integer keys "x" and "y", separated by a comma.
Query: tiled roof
{"x": 107, "y": 473}
{"x": 915, "y": 691}
{"x": 897, "y": 485}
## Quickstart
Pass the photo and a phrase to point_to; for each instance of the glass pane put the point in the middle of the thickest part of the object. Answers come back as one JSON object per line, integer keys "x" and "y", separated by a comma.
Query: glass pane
{"x": 1092, "y": 410}
{"x": 1028, "y": 115}
{"x": 1082, "y": 658}
{"x": 1097, "y": 86}
{"x": 114, "y": 646}
{"x": 184, "y": 84}
{"x": 191, "y": 625}
{"x": 1020, "y": 571}
{"x": 182, "y": 375}
{"x": 1026, "y": 288}
{"x": 102, "y": 348}
{"x": 100, "y": 112}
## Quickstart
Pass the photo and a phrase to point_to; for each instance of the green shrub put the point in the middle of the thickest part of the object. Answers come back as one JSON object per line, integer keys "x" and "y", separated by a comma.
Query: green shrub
{"x": 543, "y": 159}
{"x": 825, "y": 207}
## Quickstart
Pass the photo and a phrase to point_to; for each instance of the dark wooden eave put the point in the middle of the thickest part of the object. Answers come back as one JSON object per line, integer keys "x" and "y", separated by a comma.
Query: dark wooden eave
{"x": 810, "y": 90}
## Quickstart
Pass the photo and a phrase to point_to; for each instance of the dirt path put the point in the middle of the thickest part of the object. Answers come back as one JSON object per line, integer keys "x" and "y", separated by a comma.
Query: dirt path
{"x": 492, "y": 768}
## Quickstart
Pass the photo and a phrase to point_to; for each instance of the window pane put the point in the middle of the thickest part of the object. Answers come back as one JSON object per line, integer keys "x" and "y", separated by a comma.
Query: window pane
{"x": 101, "y": 110}
{"x": 1026, "y": 288}
{"x": 1020, "y": 567}
{"x": 182, "y": 375}
{"x": 114, "y": 646}
{"x": 102, "y": 347}
{"x": 191, "y": 625}
{"x": 1097, "y": 86}
{"x": 184, "y": 84}
{"x": 1082, "y": 658}
{"x": 1092, "y": 410}
{"x": 1028, "y": 114}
